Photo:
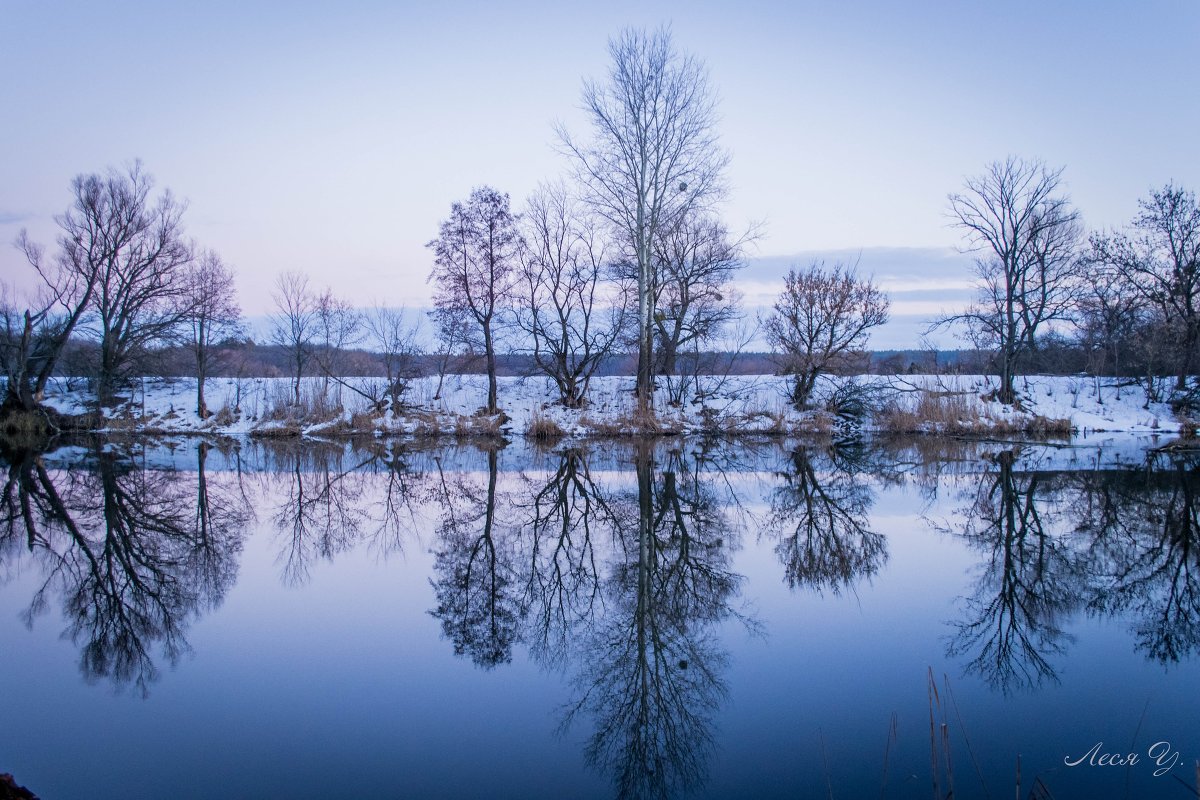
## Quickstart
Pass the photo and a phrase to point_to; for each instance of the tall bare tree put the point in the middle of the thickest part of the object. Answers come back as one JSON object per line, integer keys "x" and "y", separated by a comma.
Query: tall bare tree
{"x": 653, "y": 156}
{"x": 1028, "y": 235}
{"x": 821, "y": 323}
{"x": 133, "y": 244}
{"x": 1159, "y": 261}
{"x": 571, "y": 320}
{"x": 211, "y": 314}
{"x": 475, "y": 269}
{"x": 294, "y": 323}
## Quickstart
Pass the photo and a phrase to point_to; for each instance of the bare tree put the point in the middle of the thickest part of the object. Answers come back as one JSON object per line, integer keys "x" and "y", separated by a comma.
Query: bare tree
{"x": 456, "y": 346}
{"x": 32, "y": 339}
{"x": 294, "y": 323}
{"x": 395, "y": 339}
{"x": 339, "y": 326}
{"x": 133, "y": 246}
{"x": 821, "y": 322}
{"x": 1029, "y": 236}
{"x": 211, "y": 315}
{"x": 1109, "y": 319}
{"x": 571, "y": 321}
{"x": 1159, "y": 261}
{"x": 653, "y": 156}
{"x": 695, "y": 300}
{"x": 121, "y": 261}
{"x": 475, "y": 268}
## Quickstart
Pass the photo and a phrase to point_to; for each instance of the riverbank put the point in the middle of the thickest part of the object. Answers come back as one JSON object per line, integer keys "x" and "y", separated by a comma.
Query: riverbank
{"x": 735, "y": 405}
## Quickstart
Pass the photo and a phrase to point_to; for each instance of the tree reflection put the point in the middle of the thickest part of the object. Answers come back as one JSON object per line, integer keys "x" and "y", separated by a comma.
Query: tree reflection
{"x": 1146, "y": 553}
{"x": 571, "y": 524}
{"x": 333, "y": 498}
{"x": 133, "y": 553}
{"x": 819, "y": 516}
{"x": 1031, "y": 579}
{"x": 322, "y": 509}
{"x": 651, "y": 669}
{"x": 474, "y": 567}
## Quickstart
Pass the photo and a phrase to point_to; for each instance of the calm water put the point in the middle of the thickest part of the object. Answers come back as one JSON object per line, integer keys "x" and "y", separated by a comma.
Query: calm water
{"x": 677, "y": 620}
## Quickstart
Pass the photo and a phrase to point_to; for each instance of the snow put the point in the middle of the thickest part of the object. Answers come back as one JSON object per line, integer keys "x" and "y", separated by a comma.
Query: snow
{"x": 735, "y": 405}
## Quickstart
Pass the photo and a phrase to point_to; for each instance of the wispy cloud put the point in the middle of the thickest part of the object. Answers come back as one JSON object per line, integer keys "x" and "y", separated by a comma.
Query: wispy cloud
{"x": 14, "y": 217}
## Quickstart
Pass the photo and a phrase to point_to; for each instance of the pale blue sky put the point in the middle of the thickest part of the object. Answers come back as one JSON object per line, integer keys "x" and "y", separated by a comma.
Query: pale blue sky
{"x": 332, "y": 140}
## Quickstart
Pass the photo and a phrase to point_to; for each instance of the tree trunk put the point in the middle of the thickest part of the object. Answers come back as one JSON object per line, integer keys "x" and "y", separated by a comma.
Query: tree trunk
{"x": 490, "y": 352}
{"x": 802, "y": 388}
{"x": 201, "y": 375}
{"x": 1189, "y": 350}
{"x": 645, "y": 373}
{"x": 1007, "y": 393}
{"x": 296, "y": 380}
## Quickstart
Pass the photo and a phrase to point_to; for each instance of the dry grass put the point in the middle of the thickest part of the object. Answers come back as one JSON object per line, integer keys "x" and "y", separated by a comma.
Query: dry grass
{"x": 223, "y": 417}
{"x": 364, "y": 421}
{"x": 820, "y": 423}
{"x": 478, "y": 426}
{"x": 631, "y": 423}
{"x": 542, "y": 428}
{"x": 958, "y": 413}
{"x": 287, "y": 430}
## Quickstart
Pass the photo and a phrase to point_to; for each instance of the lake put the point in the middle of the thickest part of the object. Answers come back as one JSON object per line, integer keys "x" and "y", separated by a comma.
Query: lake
{"x": 682, "y": 618}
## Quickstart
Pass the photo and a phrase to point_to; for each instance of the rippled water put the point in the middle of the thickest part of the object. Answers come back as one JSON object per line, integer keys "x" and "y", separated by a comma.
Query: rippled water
{"x": 625, "y": 620}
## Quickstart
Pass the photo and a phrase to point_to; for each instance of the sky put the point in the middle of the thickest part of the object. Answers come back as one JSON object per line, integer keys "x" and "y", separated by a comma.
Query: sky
{"x": 332, "y": 140}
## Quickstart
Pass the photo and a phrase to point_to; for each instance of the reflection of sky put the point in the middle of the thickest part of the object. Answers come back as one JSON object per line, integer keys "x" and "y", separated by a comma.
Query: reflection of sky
{"x": 333, "y": 140}
{"x": 346, "y": 687}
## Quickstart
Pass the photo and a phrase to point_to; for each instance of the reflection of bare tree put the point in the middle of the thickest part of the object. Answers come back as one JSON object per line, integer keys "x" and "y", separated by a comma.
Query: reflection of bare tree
{"x": 650, "y": 670}
{"x": 819, "y": 515}
{"x": 1146, "y": 553}
{"x": 134, "y": 554}
{"x": 1030, "y": 580}
{"x": 475, "y": 569}
{"x": 335, "y": 498}
{"x": 569, "y": 516}
{"x": 322, "y": 512}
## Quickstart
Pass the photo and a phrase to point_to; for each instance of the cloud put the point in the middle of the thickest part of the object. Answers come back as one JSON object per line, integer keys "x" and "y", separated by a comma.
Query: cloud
{"x": 14, "y": 217}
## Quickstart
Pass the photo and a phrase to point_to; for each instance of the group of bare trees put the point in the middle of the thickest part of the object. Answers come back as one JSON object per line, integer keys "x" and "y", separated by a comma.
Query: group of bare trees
{"x": 317, "y": 329}
{"x": 1131, "y": 298}
{"x": 124, "y": 279}
{"x": 628, "y": 255}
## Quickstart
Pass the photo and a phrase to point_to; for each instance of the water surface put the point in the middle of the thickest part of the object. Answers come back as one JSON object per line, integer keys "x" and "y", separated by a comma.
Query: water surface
{"x": 681, "y": 619}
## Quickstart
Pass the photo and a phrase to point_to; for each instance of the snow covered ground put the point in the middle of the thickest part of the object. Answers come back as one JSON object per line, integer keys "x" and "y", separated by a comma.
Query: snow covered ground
{"x": 734, "y": 405}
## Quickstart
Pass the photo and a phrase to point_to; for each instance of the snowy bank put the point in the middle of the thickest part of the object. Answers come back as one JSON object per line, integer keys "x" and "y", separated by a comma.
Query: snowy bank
{"x": 734, "y": 405}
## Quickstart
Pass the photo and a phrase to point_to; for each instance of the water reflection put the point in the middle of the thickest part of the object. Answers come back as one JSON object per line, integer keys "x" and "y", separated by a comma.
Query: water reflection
{"x": 614, "y": 566}
{"x": 132, "y": 554}
{"x": 1030, "y": 579}
{"x": 1054, "y": 544}
{"x": 651, "y": 672}
{"x": 475, "y": 567}
{"x": 1144, "y": 539}
{"x": 819, "y": 518}
{"x": 571, "y": 525}
{"x": 329, "y": 499}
